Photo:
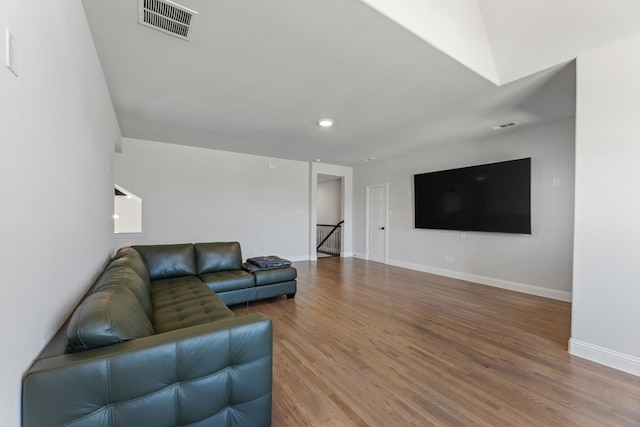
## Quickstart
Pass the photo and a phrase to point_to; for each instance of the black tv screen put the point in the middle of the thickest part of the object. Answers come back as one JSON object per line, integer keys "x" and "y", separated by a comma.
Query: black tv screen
{"x": 494, "y": 197}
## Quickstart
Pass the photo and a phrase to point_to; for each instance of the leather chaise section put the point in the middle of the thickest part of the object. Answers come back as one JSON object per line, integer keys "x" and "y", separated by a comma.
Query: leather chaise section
{"x": 223, "y": 281}
{"x": 238, "y": 296}
{"x": 183, "y": 302}
{"x": 266, "y": 277}
{"x": 276, "y": 289}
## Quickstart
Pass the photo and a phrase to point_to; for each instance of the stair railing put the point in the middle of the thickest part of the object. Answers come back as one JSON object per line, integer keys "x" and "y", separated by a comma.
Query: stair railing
{"x": 332, "y": 236}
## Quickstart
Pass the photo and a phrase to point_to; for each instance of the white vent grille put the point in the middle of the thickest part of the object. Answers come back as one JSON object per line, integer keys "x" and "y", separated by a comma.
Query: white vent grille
{"x": 168, "y": 17}
{"x": 505, "y": 125}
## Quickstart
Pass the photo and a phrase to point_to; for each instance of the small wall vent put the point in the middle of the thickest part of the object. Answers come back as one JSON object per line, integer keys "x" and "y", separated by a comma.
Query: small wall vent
{"x": 505, "y": 125}
{"x": 167, "y": 16}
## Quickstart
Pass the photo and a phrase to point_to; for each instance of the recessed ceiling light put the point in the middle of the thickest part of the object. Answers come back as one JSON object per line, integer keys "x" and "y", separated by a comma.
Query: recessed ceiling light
{"x": 316, "y": 160}
{"x": 325, "y": 123}
{"x": 368, "y": 159}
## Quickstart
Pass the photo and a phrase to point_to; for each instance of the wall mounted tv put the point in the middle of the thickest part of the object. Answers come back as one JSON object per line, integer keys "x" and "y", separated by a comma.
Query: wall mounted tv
{"x": 495, "y": 197}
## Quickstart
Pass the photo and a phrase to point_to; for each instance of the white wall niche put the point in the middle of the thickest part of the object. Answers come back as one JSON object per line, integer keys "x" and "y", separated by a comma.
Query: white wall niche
{"x": 127, "y": 213}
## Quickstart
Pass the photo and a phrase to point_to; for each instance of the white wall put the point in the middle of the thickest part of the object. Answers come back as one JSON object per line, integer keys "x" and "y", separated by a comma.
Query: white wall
{"x": 57, "y": 134}
{"x": 456, "y": 27}
{"x": 329, "y": 202}
{"x": 192, "y": 194}
{"x": 606, "y": 305}
{"x": 530, "y": 36}
{"x": 539, "y": 263}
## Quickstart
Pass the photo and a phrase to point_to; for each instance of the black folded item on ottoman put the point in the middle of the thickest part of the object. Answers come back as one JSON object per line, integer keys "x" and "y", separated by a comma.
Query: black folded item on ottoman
{"x": 272, "y": 271}
{"x": 250, "y": 268}
{"x": 267, "y": 262}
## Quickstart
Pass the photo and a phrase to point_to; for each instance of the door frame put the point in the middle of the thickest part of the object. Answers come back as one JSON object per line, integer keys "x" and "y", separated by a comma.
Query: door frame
{"x": 346, "y": 173}
{"x": 386, "y": 220}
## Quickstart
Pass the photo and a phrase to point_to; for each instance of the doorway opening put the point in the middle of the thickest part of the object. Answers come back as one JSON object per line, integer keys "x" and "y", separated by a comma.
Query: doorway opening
{"x": 329, "y": 211}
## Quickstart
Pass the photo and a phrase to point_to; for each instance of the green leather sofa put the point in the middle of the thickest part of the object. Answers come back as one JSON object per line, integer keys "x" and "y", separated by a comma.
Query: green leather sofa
{"x": 154, "y": 344}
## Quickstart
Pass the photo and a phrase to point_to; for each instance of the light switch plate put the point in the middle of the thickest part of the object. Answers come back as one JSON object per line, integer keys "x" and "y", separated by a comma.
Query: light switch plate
{"x": 10, "y": 52}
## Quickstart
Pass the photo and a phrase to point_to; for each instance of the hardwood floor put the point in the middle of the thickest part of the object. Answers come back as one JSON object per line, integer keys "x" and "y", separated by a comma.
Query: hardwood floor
{"x": 365, "y": 344}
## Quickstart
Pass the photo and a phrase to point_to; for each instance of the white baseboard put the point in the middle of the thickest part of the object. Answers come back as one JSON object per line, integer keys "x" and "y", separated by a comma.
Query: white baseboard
{"x": 315, "y": 257}
{"x": 300, "y": 258}
{"x": 489, "y": 281}
{"x": 605, "y": 356}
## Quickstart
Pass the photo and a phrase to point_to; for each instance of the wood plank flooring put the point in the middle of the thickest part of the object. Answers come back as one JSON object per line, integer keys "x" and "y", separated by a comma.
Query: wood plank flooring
{"x": 366, "y": 344}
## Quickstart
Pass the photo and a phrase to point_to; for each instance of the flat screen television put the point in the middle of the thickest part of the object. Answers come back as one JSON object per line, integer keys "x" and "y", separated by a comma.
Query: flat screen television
{"x": 495, "y": 197}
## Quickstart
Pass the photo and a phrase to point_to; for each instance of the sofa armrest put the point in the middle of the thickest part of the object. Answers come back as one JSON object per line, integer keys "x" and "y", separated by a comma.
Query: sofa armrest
{"x": 216, "y": 373}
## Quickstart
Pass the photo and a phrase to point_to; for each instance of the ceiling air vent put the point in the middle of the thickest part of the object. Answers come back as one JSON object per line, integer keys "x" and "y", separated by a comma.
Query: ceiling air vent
{"x": 168, "y": 17}
{"x": 506, "y": 125}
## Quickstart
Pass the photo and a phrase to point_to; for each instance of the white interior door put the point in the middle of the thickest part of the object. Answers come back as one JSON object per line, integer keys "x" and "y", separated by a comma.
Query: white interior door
{"x": 377, "y": 196}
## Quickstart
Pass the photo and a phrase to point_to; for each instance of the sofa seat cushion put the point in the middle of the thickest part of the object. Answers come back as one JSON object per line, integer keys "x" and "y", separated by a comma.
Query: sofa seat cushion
{"x": 276, "y": 275}
{"x": 231, "y": 280}
{"x": 184, "y": 301}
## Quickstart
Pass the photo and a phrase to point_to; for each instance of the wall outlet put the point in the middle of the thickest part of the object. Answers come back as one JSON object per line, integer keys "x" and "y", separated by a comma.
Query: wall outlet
{"x": 448, "y": 259}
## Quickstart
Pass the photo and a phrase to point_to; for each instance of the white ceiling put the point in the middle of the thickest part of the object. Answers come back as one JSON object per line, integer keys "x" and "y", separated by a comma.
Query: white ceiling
{"x": 256, "y": 76}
